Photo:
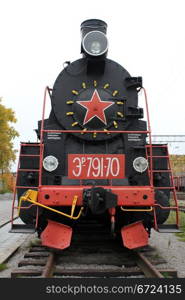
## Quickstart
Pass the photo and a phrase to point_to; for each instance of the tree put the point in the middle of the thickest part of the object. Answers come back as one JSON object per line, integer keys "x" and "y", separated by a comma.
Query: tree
{"x": 7, "y": 135}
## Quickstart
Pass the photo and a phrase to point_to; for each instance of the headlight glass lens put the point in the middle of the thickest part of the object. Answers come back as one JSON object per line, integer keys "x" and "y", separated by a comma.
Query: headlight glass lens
{"x": 95, "y": 43}
{"x": 140, "y": 164}
{"x": 50, "y": 163}
{"x": 95, "y": 48}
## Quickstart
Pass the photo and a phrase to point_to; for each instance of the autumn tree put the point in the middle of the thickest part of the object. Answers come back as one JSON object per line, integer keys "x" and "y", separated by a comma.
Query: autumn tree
{"x": 7, "y": 135}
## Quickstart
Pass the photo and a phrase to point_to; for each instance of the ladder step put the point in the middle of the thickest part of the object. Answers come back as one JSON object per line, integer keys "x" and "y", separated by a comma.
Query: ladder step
{"x": 164, "y": 187}
{"x": 26, "y": 187}
{"x": 29, "y": 170}
{"x": 30, "y": 155}
{"x": 22, "y": 228}
{"x": 158, "y": 156}
{"x": 168, "y": 228}
{"x": 30, "y": 145}
{"x": 156, "y": 146}
{"x": 161, "y": 171}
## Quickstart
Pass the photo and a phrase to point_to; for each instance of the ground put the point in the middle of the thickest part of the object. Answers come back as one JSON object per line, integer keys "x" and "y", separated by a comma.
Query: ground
{"x": 167, "y": 244}
{"x": 5, "y": 207}
{"x": 171, "y": 249}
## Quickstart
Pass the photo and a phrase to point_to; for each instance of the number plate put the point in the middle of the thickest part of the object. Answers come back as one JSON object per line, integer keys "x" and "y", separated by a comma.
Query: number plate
{"x": 96, "y": 166}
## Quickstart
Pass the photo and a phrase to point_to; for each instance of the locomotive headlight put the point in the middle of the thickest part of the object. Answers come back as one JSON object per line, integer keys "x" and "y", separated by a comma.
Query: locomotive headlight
{"x": 140, "y": 164}
{"x": 95, "y": 47}
{"x": 50, "y": 163}
{"x": 95, "y": 43}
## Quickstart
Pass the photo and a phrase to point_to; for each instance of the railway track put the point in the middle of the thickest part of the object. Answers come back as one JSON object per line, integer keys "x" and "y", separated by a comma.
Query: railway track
{"x": 41, "y": 263}
{"x": 7, "y": 222}
{"x": 10, "y": 243}
{"x": 91, "y": 255}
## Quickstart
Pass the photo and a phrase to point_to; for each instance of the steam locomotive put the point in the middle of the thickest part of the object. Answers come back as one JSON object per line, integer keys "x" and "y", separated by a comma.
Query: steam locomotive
{"x": 93, "y": 161}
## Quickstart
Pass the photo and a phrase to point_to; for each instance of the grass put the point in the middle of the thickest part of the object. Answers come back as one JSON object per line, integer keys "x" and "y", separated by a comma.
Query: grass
{"x": 172, "y": 220}
{"x": 166, "y": 275}
{"x": 2, "y": 192}
{"x": 156, "y": 256}
{"x": 3, "y": 267}
{"x": 35, "y": 242}
{"x": 181, "y": 236}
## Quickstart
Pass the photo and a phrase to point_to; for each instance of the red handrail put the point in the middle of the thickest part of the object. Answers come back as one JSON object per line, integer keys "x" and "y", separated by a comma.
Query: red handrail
{"x": 149, "y": 156}
{"x": 48, "y": 90}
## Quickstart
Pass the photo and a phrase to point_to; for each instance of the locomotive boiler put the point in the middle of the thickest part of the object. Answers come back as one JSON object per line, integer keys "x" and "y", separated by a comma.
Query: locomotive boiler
{"x": 94, "y": 159}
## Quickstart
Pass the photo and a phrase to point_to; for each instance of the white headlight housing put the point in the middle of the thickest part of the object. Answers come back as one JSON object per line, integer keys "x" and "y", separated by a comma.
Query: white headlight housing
{"x": 50, "y": 163}
{"x": 95, "y": 43}
{"x": 140, "y": 164}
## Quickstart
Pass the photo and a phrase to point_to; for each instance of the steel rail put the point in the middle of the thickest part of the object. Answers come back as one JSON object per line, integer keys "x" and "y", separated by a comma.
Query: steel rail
{"x": 46, "y": 266}
{"x": 145, "y": 265}
{"x": 7, "y": 222}
{"x": 49, "y": 267}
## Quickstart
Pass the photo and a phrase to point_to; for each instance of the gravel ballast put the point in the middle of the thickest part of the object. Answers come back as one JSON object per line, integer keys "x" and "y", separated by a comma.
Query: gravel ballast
{"x": 171, "y": 249}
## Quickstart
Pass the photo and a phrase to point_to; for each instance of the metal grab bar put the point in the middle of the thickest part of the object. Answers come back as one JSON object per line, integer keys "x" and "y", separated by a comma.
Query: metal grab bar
{"x": 135, "y": 209}
{"x": 31, "y": 196}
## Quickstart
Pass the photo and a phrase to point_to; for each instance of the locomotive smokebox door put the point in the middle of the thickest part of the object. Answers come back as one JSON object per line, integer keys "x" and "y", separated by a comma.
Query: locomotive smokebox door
{"x": 98, "y": 200}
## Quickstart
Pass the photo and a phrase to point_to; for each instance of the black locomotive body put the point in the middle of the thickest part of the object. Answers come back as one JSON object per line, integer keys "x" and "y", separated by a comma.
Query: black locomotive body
{"x": 93, "y": 160}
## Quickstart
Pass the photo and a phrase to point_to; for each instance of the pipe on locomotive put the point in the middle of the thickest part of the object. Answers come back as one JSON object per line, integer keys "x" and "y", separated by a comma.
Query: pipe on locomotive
{"x": 94, "y": 41}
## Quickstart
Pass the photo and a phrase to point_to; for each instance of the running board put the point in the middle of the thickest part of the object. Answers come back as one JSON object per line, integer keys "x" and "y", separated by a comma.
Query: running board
{"x": 22, "y": 228}
{"x": 168, "y": 228}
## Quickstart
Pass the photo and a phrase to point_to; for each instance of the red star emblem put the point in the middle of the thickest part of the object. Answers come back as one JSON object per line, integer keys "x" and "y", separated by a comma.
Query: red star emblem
{"x": 95, "y": 108}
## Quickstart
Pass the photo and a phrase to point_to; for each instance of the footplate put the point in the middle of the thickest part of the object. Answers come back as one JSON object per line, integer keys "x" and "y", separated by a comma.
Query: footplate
{"x": 167, "y": 228}
{"x": 22, "y": 228}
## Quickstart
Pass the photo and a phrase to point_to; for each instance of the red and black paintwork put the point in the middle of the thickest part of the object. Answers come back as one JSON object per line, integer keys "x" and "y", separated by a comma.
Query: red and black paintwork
{"x": 95, "y": 114}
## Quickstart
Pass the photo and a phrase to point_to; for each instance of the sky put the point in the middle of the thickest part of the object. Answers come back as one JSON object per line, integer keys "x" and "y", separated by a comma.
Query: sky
{"x": 147, "y": 37}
